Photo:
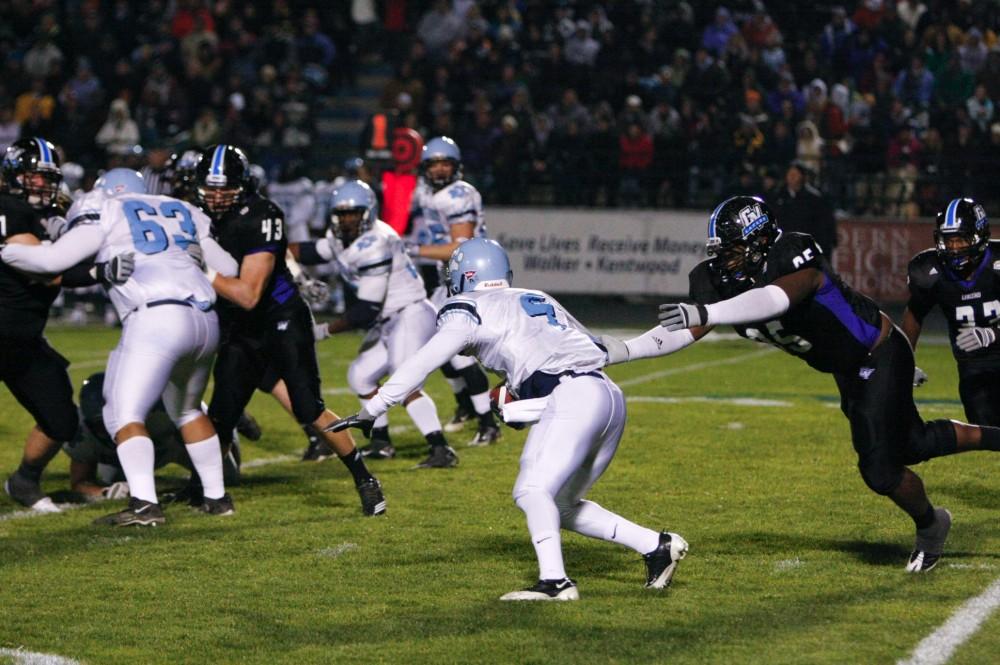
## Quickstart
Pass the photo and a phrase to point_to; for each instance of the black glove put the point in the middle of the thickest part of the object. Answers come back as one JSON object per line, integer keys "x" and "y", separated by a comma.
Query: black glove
{"x": 115, "y": 271}
{"x": 361, "y": 420}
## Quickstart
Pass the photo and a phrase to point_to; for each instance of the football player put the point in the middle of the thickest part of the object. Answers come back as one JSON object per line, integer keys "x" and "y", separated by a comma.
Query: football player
{"x": 961, "y": 275}
{"x": 266, "y": 324}
{"x": 390, "y": 301}
{"x": 169, "y": 329}
{"x": 779, "y": 288}
{"x": 34, "y": 372}
{"x": 447, "y": 211}
{"x": 554, "y": 366}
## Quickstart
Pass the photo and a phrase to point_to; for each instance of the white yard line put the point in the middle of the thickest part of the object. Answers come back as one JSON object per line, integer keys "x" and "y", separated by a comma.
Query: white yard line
{"x": 694, "y": 367}
{"x": 21, "y": 657}
{"x": 938, "y": 647}
{"x": 736, "y": 401}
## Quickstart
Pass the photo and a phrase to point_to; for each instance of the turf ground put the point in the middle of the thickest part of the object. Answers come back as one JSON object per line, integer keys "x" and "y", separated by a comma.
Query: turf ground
{"x": 740, "y": 449}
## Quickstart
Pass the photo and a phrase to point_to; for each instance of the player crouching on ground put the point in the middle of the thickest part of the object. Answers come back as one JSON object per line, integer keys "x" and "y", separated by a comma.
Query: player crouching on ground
{"x": 390, "y": 300}
{"x": 555, "y": 365}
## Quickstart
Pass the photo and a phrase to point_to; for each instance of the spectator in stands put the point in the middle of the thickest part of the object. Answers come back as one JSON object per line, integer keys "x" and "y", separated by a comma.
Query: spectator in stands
{"x": 980, "y": 109}
{"x": 809, "y": 146}
{"x": 119, "y": 132}
{"x": 954, "y": 85}
{"x": 10, "y": 129}
{"x": 989, "y": 75}
{"x": 786, "y": 92}
{"x": 835, "y": 41}
{"x": 34, "y": 103}
{"x": 914, "y": 86}
{"x": 716, "y": 36}
{"x": 635, "y": 161}
{"x": 581, "y": 49}
{"x": 903, "y": 162}
{"x": 438, "y": 28}
{"x": 973, "y": 52}
{"x": 802, "y": 208}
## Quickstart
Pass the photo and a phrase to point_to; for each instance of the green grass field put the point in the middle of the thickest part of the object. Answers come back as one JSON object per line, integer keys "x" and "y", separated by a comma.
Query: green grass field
{"x": 740, "y": 449}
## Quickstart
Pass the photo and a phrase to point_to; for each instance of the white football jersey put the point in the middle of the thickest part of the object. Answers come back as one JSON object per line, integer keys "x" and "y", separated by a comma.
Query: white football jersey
{"x": 157, "y": 229}
{"x": 297, "y": 199}
{"x": 436, "y": 212}
{"x": 379, "y": 252}
{"x": 519, "y": 332}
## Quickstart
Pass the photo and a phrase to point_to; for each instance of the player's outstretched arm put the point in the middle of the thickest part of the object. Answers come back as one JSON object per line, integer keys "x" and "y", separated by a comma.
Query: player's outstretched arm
{"x": 460, "y": 232}
{"x": 80, "y": 243}
{"x": 651, "y": 344}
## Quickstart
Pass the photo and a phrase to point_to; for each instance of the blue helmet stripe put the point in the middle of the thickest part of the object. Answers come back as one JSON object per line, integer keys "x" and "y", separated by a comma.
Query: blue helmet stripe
{"x": 712, "y": 219}
{"x": 220, "y": 153}
{"x": 950, "y": 221}
{"x": 45, "y": 152}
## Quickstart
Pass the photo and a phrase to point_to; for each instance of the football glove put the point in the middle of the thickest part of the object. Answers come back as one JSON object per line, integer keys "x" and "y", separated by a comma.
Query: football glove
{"x": 313, "y": 291}
{"x": 616, "y": 349}
{"x": 321, "y": 331}
{"x": 115, "y": 271}
{"x": 919, "y": 377}
{"x": 412, "y": 249}
{"x": 678, "y": 316}
{"x": 55, "y": 226}
{"x": 973, "y": 339}
{"x": 195, "y": 251}
{"x": 361, "y": 420}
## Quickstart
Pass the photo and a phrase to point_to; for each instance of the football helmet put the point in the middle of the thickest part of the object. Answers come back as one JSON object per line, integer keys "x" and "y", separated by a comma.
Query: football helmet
{"x": 181, "y": 170}
{"x": 478, "y": 264}
{"x": 440, "y": 149}
{"x": 30, "y": 171}
{"x": 222, "y": 179}
{"x": 121, "y": 181}
{"x": 92, "y": 406}
{"x": 741, "y": 230}
{"x": 966, "y": 220}
{"x": 354, "y": 196}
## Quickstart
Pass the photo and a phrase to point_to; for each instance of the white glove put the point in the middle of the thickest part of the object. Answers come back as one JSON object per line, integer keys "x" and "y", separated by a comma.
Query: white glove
{"x": 321, "y": 331}
{"x": 617, "y": 349}
{"x": 55, "y": 226}
{"x": 678, "y": 316}
{"x": 919, "y": 377}
{"x": 313, "y": 291}
{"x": 412, "y": 249}
{"x": 195, "y": 251}
{"x": 115, "y": 271}
{"x": 117, "y": 490}
{"x": 973, "y": 339}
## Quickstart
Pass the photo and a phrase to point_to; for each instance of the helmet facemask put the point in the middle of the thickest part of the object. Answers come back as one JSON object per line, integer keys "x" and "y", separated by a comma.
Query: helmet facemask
{"x": 960, "y": 250}
{"x": 436, "y": 175}
{"x": 40, "y": 187}
{"x": 219, "y": 200}
{"x": 349, "y": 223}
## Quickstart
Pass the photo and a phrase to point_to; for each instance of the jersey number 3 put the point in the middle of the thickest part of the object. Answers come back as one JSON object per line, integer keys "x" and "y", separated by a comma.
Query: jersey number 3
{"x": 148, "y": 235}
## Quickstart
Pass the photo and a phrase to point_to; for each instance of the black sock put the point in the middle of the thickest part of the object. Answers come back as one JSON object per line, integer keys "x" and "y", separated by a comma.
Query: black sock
{"x": 436, "y": 439}
{"x": 311, "y": 433}
{"x": 476, "y": 381}
{"x": 486, "y": 420}
{"x": 380, "y": 434}
{"x": 356, "y": 465}
{"x": 32, "y": 472}
{"x": 990, "y": 438}
{"x": 465, "y": 401}
{"x": 925, "y": 520}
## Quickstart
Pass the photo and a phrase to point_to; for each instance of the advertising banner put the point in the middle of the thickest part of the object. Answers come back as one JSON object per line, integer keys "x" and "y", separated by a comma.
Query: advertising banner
{"x": 872, "y": 255}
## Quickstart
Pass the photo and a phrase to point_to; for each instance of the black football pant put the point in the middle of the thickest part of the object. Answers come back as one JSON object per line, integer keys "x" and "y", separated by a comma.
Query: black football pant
{"x": 979, "y": 389}
{"x": 36, "y": 375}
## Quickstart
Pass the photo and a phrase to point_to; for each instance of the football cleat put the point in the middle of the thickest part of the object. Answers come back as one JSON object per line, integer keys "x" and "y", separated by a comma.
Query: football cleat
{"x": 221, "y": 506}
{"x": 378, "y": 450}
{"x": 248, "y": 426}
{"x": 564, "y": 589}
{"x": 29, "y": 494}
{"x": 318, "y": 448}
{"x": 192, "y": 494}
{"x": 138, "y": 513}
{"x": 372, "y": 501}
{"x": 930, "y": 543}
{"x": 662, "y": 562}
{"x": 441, "y": 457}
{"x": 485, "y": 436}
{"x": 457, "y": 422}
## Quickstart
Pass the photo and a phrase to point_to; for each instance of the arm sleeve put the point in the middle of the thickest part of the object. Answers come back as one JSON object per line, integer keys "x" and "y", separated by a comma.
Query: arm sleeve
{"x": 453, "y": 336}
{"x": 219, "y": 259}
{"x": 79, "y": 243}
{"x": 761, "y": 304}
{"x": 658, "y": 342}
{"x": 81, "y": 275}
{"x": 314, "y": 252}
{"x": 920, "y": 303}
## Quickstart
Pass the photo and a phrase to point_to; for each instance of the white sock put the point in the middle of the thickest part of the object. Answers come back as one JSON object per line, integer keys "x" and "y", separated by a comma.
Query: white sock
{"x": 543, "y": 526}
{"x": 424, "y": 414}
{"x": 207, "y": 459}
{"x": 481, "y": 402}
{"x": 380, "y": 421}
{"x": 457, "y": 385}
{"x": 138, "y": 458}
{"x": 591, "y": 520}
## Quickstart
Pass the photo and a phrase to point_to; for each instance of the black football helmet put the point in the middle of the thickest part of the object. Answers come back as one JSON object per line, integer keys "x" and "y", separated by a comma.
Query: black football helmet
{"x": 966, "y": 219}
{"x": 222, "y": 179}
{"x": 741, "y": 231}
{"x": 30, "y": 171}
{"x": 181, "y": 173}
{"x": 92, "y": 406}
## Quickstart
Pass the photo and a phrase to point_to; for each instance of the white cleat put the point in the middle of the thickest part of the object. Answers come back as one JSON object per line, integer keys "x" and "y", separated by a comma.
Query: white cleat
{"x": 661, "y": 563}
{"x": 564, "y": 589}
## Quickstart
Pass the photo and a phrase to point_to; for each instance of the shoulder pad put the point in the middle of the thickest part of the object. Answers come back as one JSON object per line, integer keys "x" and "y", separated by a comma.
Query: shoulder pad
{"x": 924, "y": 270}
{"x": 793, "y": 251}
{"x": 20, "y": 217}
{"x": 372, "y": 253}
{"x": 458, "y": 306}
{"x": 701, "y": 287}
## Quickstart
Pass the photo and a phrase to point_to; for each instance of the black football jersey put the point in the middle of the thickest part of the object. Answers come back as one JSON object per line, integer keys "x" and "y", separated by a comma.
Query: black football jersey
{"x": 833, "y": 329}
{"x": 24, "y": 303}
{"x": 258, "y": 226}
{"x": 964, "y": 303}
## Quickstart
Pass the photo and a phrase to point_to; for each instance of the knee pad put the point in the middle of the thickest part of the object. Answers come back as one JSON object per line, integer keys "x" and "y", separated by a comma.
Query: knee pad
{"x": 360, "y": 381}
{"x": 881, "y": 477}
{"x": 185, "y": 417}
{"x": 935, "y": 438}
{"x": 461, "y": 362}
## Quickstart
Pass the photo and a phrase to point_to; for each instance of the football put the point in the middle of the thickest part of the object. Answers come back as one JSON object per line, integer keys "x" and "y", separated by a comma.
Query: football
{"x": 495, "y": 397}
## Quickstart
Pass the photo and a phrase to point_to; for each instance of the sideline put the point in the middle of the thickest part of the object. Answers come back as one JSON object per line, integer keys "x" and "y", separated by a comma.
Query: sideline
{"x": 21, "y": 657}
{"x": 939, "y": 646}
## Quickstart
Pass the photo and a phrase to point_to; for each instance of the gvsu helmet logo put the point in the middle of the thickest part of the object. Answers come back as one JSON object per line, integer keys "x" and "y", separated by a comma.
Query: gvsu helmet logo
{"x": 751, "y": 218}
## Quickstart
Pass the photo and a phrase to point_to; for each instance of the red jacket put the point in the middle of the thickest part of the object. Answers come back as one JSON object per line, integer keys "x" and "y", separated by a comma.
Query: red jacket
{"x": 637, "y": 154}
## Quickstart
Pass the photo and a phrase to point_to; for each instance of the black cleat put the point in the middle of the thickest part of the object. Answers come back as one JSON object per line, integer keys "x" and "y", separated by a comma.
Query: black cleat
{"x": 138, "y": 513}
{"x": 221, "y": 506}
{"x": 662, "y": 562}
{"x": 248, "y": 426}
{"x": 485, "y": 436}
{"x": 29, "y": 494}
{"x": 318, "y": 449}
{"x": 372, "y": 501}
{"x": 192, "y": 494}
{"x": 378, "y": 450}
{"x": 930, "y": 543}
{"x": 441, "y": 457}
{"x": 457, "y": 422}
{"x": 564, "y": 589}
